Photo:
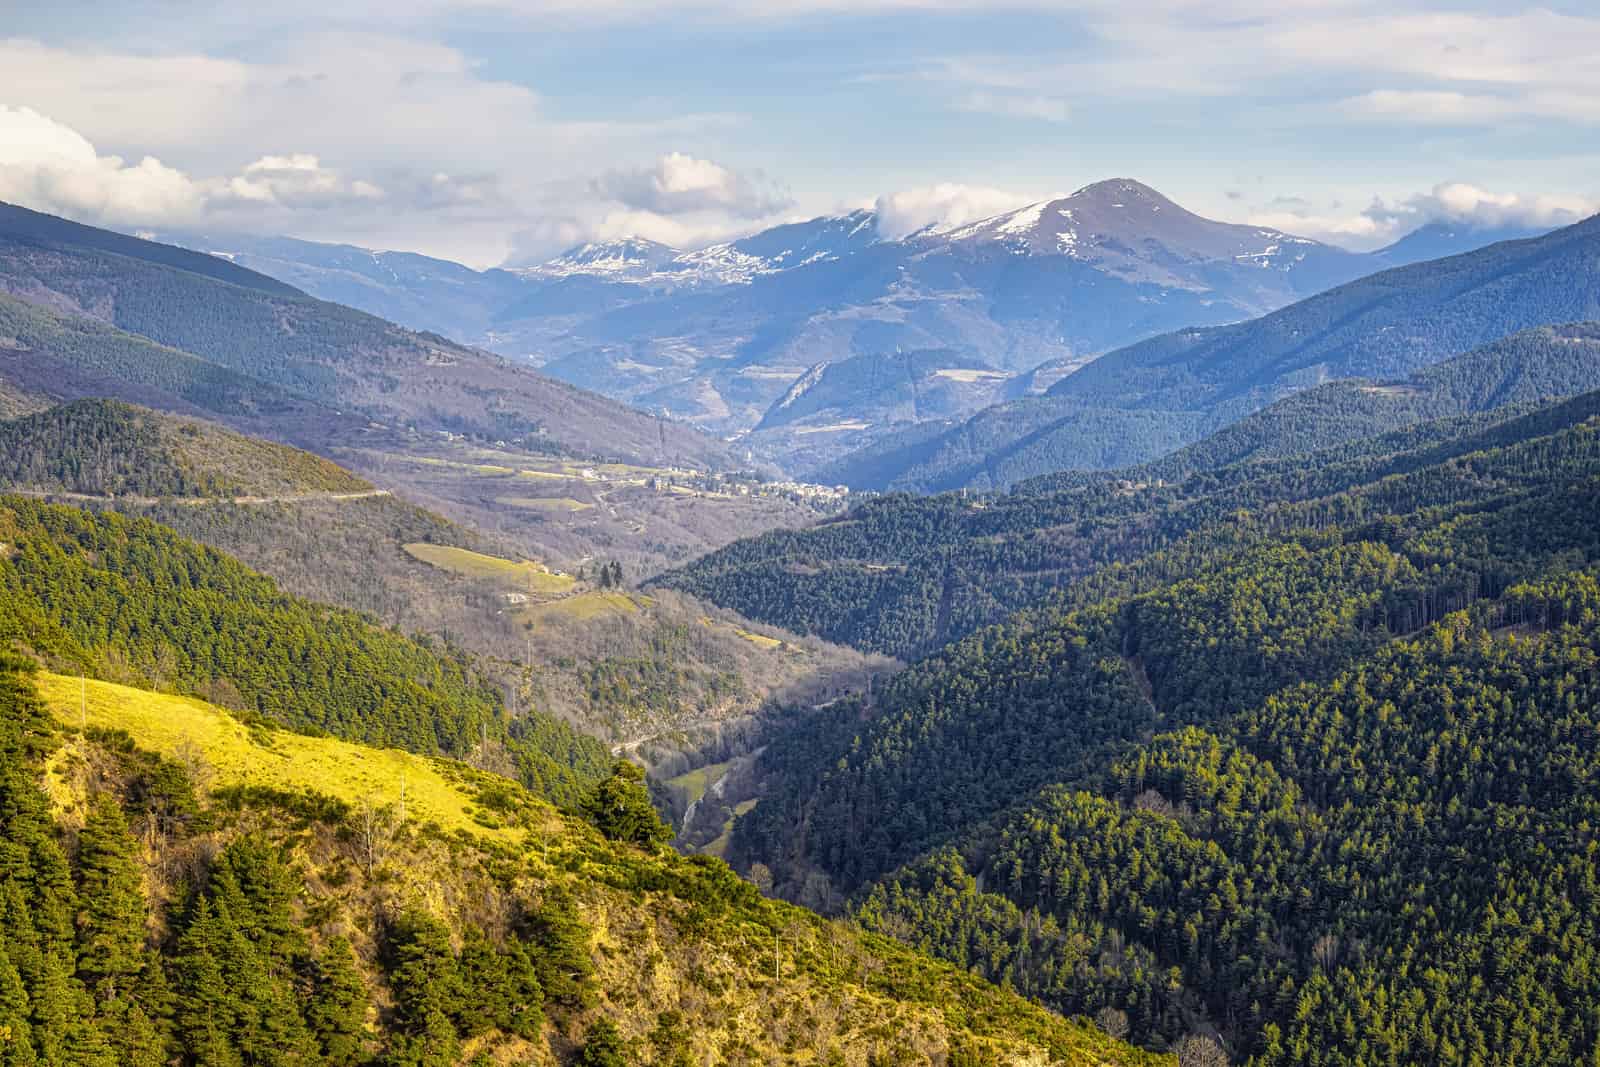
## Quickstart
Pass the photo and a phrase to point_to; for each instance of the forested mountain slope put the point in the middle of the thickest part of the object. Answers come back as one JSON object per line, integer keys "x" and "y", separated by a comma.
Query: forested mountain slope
{"x": 46, "y": 232}
{"x": 1132, "y": 404}
{"x": 1395, "y": 866}
{"x": 1384, "y": 326}
{"x": 903, "y": 574}
{"x": 128, "y": 600}
{"x": 184, "y": 887}
{"x": 1526, "y": 368}
{"x": 1311, "y": 774}
{"x": 677, "y": 681}
{"x": 109, "y": 448}
{"x": 62, "y": 356}
{"x": 240, "y": 323}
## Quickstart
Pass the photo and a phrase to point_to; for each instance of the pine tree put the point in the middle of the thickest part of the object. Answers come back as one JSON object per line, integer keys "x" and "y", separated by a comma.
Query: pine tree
{"x": 111, "y": 903}
{"x": 16, "y": 1035}
{"x": 620, "y": 806}
{"x": 425, "y": 983}
{"x": 336, "y": 1003}
{"x": 603, "y": 1047}
{"x": 205, "y": 1008}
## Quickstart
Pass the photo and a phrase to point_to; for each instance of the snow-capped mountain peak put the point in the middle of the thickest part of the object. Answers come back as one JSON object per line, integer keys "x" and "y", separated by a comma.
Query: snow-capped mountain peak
{"x": 622, "y": 258}
{"x": 1126, "y": 227}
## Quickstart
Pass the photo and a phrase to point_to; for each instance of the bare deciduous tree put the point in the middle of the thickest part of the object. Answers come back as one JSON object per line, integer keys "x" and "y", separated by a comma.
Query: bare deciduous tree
{"x": 375, "y": 827}
{"x": 1114, "y": 1021}
{"x": 1201, "y": 1050}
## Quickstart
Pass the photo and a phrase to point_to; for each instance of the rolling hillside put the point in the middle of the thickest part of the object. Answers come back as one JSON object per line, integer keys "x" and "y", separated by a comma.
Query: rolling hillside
{"x": 124, "y": 599}
{"x": 325, "y": 903}
{"x": 674, "y": 680}
{"x": 242, "y": 879}
{"x": 108, "y": 448}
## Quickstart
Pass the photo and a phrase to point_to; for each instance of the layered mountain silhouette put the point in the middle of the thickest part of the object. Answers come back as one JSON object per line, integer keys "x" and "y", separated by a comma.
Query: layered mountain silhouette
{"x": 943, "y": 322}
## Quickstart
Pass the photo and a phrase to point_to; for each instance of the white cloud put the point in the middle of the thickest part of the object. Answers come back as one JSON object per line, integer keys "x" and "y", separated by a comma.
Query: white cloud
{"x": 51, "y": 167}
{"x": 551, "y": 234}
{"x": 294, "y": 181}
{"x": 679, "y": 184}
{"x": 1353, "y": 230}
{"x": 1466, "y": 203}
{"x": 1450, "y": 108}
{"x": 943, "y": 206}
{"x": 381, "y": 116}
{"x": 1433, "y": 106}
{"x": 47, "y": 165}
{"x": 1373, "y": 58}
{"x": 1017, "y": 105}
{"x": 1383, "y": 222}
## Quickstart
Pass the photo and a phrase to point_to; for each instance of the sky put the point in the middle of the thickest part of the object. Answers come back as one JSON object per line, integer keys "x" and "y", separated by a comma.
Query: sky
{"x": 502, "y": 131}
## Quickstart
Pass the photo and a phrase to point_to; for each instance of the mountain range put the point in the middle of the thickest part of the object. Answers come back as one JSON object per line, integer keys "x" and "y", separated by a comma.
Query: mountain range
{"x": 941, "y": 323}
{"x": 1272, "y": 745}
{"x": 1138, "y": 402}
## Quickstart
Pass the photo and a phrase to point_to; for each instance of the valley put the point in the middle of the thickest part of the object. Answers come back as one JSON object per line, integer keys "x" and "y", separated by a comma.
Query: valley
{"x": 1088, "y": 634}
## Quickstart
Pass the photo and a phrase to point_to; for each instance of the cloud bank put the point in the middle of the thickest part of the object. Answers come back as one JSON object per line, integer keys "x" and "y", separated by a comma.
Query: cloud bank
{"x": 678, "y": 184}
{"x": 943, "y": 207}
{"x": 48, "y": 166}
{"x": 1461, "y": 203}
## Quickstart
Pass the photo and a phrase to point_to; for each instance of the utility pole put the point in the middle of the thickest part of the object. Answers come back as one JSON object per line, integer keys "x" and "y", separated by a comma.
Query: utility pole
{"x": 402, "y": 798}
{"x": 83, "y": 706}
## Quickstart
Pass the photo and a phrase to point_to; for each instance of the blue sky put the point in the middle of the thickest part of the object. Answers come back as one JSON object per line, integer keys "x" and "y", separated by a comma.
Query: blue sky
{"x": 510, "y": 128}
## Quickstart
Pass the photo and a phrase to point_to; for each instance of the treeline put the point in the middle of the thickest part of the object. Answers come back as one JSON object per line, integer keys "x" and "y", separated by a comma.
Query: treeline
{"x": 127, "y": 600}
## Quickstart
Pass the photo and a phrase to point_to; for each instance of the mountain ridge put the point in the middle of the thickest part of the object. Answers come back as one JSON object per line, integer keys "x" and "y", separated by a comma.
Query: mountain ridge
{"x": 717, "y": 335}
{"x": 341, "y": 360}
{"x": 1131, "y": 405}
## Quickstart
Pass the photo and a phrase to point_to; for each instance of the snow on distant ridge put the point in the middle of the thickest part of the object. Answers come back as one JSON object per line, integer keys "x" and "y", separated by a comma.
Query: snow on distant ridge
{"x": 770, "y": 251}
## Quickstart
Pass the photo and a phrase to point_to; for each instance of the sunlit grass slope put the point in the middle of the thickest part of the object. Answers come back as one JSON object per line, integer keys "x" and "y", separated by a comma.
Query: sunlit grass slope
{"x": 675, "y": 944}
{"x": 434, "y": 790}
{"x": 584, "y": 606}
{"x": 520, "y": 574}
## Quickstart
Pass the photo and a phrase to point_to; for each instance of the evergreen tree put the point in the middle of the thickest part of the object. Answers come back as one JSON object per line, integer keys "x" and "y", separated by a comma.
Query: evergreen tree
{"x": 205, "y": 1007}
{"x": 16, "y": 1035}
{"x": 603, "y": 1047}
{"x": 620, "y": 806}
{"x": 111, "y": 903}
{"x": 426, "y": 985}
{"x": 336, "y": 1003}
